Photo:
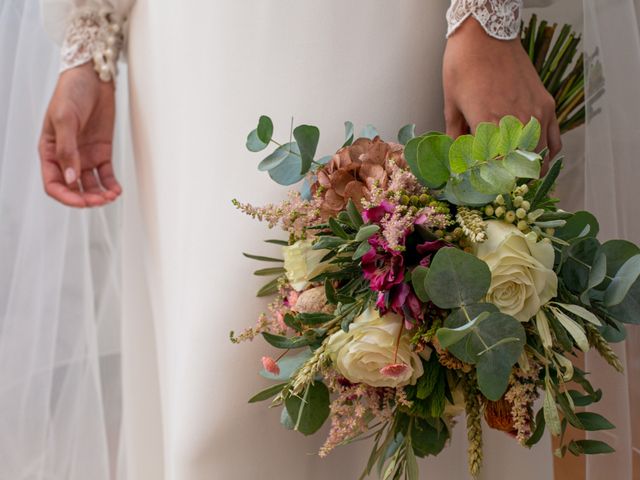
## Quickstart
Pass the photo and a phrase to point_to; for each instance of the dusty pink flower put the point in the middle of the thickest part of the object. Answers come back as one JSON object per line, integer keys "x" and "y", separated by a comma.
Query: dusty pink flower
{"x": 270, "y": 365}
{"x": 394, "y": 370}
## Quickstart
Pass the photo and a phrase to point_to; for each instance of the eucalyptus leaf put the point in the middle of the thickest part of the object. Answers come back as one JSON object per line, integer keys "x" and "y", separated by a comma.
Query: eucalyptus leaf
{"x": 432, "y": 157}
{"x": 285, "y": 419}
{"x": 309, "y": 412}
{"x": 456, "y": 278}
{"x": 522, "y": 165}
{"x": 622, "y": 282}
{"x": 348, "y": 133}
{"x": 576, "y": 227}
{"x": 254, "y": 144}
{"x": 460, "y": 156}
{"x": 369, "y": 131}
{"x": 461, "y": 191}
{"x": 494, "y": 173}
{"x": 406, "y": 133}
{"x": 617, "y": 253}
{"x": 485, "y": 143}
{"x": 449, "y": 336}
{"x": 418, "y": 277}
{"x": 530, "y": 135}
{"x": 510, "y": 133}
{"x": 273, "y": 160}
{"x": 628, "y": 311}
{"x": 307, "y": 137}
{"x": 287, "y": 172}
{"x": 265, "y": 129}
{"x": 463, "y": 350}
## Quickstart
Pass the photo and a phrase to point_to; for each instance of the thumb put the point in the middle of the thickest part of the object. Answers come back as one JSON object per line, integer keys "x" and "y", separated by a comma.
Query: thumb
{"x": 67, "y": 155}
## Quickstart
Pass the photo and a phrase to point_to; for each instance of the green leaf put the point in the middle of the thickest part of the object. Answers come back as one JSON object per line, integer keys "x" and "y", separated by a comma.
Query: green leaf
{"x": 580, "y": 400}
{"x": 288, "y": 365}
{"x": 314, "y": 318}
{"x": 622, "y": 282}
{"x": 547, "y": 184}
{"x": 286, "y": 343}
{"x": 460, "y": 157}
{"x": 287, "y": 172}
{"x": 337, "y": 229}
{"x": 581, "y": 312}
{"x": 573, "y": 328}
{"x": 412, "y": 464}
{"x": 510, "y": 133}
{"x": 450, "y": 336}
{"x": 328, "y": 242}
{"x": 457, "y": 278}
{"x": 530, "y": 136}
{"x": 254, "y": 144}
{"x": 269, "y": 288}
{"x": 617, "y": 253}
{"x": 362, "y": 249}
{"x": 522, "y": 165}
{"x": 582, "y": 224}
{"x": 592, "y": 447}
{"x": 432, "y": 157}
{"x": 596, "y": 275}
{"x": 464, "y": 350}
{"x": 369, "y": 131}
{"x": 494, "y": 173}
{"x": 406, "y": 133}
{"x": 285, "y": 419}
{"x": 273, "y": 241}
{"x": 366, "y": 231}
{"x": 267, "y": 393}
{"x": 309, "y": 412}
{"x": 273, "y": 160}
{"x": 465, "y": 190}
{"x": 307, "y": 137}
{"x": 269, "y": 271}
{"x": 418, "y": 277}
{"x": 330, "y": 292}
{"x": 261, "y": 258}
{"x": 592, "y": 421}
{"x": 348, "y": 133}
{"x": 577, "y": 264}
{"x": 354, "y": 214}
{"x": 505, "y": 338}
{"x": 485, "y": 144}
{"x": 428, "y": 438}
{"x": 551, "y": 417}
{"x": 536, "y": 436}
{"x": 265, "y": 129}
{"x": 628, "y": 311}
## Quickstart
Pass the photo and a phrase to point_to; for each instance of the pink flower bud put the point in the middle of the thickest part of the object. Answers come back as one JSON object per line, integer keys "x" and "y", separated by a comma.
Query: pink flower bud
{"x": 270, "y": 365}
{"x": 394, "y": 370}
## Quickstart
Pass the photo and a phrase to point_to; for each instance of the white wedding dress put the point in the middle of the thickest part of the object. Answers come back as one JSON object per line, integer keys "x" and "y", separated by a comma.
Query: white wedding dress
{"x": 200, "y": 73}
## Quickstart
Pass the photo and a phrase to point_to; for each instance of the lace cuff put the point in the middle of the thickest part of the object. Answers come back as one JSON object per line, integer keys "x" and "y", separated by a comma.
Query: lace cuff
{"x": 499, "y": 18}
{"x": 93, "y": 35}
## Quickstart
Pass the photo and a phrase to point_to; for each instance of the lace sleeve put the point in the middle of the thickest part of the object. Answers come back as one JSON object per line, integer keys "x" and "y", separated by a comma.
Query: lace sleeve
{"x": 499, "y": 18}
{"x": 95, "y": 35}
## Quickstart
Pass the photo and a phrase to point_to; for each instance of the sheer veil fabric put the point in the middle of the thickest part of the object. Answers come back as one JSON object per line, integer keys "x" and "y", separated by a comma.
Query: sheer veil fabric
{"x": 612, "y": 46}
{"x": 60, "y": 375}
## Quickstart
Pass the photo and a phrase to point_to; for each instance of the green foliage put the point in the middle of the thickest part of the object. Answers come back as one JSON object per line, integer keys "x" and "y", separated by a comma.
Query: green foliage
{"x": 309, "y": 412}
{"x": 307, "y": 137}
{"x": 267, "y": 393}
{"x": 406, "y": 133}
{"x": 473, "y": 169}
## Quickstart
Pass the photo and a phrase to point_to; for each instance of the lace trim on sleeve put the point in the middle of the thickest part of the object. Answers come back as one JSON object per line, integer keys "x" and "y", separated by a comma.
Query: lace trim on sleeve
{"x": 499, "y": 18}
{"x": 93, "y": 35}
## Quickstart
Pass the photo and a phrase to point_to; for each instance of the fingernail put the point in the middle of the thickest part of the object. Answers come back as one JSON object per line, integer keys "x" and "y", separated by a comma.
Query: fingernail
{"x": 70, "y": 175}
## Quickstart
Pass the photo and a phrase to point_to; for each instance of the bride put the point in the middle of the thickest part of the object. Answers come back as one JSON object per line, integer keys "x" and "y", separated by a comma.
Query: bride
{"x": 200, "y": 73}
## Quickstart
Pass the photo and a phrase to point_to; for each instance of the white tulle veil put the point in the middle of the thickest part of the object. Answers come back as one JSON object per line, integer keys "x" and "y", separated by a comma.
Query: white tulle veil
{"x": 612, "y": 178}
{"x": 60, "y": 401}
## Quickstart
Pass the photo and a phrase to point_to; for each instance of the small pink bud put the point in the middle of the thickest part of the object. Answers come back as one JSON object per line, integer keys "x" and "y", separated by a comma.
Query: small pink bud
{"x": 270, "y": 365}
{"x": 394, "y": 370}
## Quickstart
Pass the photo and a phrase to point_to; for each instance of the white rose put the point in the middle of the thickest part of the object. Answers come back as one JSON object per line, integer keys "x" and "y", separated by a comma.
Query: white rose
{"x": 302, "y": 263}
{"x": 370, "y": 346}
{"x": 522, "y": 276}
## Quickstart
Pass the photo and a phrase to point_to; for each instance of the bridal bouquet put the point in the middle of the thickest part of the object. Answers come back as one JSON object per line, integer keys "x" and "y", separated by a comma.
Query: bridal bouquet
{"x": 432, "y": 277}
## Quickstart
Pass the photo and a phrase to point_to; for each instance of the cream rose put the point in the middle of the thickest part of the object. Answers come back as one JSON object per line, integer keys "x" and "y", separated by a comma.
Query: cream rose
{"x": 302, "y": 263}
{"x": 522, "y": 276}
{"x": 370, "y": 346}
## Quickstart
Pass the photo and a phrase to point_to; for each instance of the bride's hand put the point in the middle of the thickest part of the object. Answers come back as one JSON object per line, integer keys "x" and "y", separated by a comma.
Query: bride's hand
{"x": 485, "y": 79}
{"x": 76, "y": 141}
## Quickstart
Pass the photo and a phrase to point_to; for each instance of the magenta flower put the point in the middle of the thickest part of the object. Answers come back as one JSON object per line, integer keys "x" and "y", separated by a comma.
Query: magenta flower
{"x": 428, "y": 249}
{"x": 375, "y": 214}
{"x": 383, "y": 268}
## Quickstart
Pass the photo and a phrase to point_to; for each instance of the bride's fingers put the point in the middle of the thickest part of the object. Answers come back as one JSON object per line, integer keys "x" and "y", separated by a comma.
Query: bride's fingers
{"x": 91, "y": 190}
{"x": 554, "y": 138}
{"x": 53, "y": 181}
{"x": 108, "y": 180}
{"x": 456, "y": 124}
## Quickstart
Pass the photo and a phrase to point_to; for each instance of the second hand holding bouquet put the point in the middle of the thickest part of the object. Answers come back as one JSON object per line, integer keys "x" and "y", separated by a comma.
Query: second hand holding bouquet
{"x": 425, "y": 280}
